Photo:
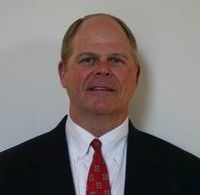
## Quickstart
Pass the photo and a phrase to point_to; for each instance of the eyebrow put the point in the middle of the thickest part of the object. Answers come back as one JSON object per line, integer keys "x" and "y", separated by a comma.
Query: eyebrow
{"x": 119, "y": 55}
{"x": 86, "y": 54}
{"x": 95, "y": 54}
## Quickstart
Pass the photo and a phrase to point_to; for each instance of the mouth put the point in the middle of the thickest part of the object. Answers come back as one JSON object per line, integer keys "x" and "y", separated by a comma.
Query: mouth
{"x": 100, "y": 88}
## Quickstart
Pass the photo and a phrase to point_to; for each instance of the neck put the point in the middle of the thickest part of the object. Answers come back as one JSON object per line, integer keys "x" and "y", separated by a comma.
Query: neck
{"x": 98, "y": 124}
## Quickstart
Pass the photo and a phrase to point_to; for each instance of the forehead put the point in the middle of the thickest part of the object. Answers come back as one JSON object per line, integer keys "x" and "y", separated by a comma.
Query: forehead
{"x": 100, "y": 30}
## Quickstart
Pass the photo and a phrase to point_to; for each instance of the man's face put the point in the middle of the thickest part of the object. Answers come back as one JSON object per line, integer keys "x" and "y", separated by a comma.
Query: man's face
{"x": 101, "y": 74}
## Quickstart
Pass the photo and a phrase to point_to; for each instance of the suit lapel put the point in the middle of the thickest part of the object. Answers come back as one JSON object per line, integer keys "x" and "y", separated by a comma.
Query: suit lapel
{"x": 144, "y": 168}
{"x": 52, "y": 158}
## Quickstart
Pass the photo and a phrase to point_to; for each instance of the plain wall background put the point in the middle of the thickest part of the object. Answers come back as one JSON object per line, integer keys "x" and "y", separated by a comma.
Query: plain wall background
{"x": 167, "y": 102}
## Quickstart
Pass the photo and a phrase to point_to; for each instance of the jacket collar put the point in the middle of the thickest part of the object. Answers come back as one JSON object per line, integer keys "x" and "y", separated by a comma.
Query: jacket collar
{"x": 50, "y": 155}
{"x": 143, "y": 161}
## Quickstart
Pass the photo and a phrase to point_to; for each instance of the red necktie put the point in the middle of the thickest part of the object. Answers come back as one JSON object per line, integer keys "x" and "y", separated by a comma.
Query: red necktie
{"x": 98, "y": 179}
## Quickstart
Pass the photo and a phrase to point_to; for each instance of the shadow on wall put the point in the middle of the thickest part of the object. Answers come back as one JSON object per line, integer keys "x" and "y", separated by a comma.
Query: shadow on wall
{"x": 140, "y": 103}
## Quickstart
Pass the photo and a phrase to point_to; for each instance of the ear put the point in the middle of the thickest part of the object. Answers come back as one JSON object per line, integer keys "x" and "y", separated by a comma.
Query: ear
{"x": 138, "y": 73}
{"x": 138, "y": 69}
{"x": 62, "y": 73}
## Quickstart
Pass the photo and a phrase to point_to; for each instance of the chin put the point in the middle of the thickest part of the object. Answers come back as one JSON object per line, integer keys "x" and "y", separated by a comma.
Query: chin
{"x": 103, "y": 109}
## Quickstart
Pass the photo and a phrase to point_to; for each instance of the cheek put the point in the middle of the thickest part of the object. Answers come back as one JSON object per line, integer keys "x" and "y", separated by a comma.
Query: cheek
{"x": 75, "y": 79}
{"x": 126, "y": 76}
{"x": 128, "y": 81}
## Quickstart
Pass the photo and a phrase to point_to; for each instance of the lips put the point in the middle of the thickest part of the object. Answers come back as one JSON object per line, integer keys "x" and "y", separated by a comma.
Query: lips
{"x": 107, "y": 85}
{"x": 100, "y": 88}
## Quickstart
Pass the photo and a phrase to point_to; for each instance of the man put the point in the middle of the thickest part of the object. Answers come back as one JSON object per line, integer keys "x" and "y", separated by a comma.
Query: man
{"x": 96, "y": 149}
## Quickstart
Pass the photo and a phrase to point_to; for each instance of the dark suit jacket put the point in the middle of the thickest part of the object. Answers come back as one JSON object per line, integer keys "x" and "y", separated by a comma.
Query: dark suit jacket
{"x": 41, "y": 166}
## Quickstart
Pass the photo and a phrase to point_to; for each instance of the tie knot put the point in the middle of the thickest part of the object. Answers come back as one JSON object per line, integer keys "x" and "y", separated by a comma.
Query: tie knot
{"x": 96, "y": 144}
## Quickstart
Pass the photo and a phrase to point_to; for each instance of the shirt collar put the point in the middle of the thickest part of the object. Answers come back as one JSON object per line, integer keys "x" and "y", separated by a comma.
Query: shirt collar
{"x": 78, "y": 137}
{"x": 81, "y": 138}
{"x": 112, "y": 142}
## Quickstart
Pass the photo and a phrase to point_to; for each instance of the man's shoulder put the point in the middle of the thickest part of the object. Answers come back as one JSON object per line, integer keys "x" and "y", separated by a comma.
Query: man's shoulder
{"x": 26, "y": 146}
{"x": 36, "y": 146}
{"x": 155, "y": 156}
{"x": 20, "y": 158}
{"x": 162, "y": 149}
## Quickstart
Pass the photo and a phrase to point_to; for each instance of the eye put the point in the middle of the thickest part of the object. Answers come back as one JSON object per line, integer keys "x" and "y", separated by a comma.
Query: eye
{"x": 116, "y": 60}
{"x": 87, "y": 60}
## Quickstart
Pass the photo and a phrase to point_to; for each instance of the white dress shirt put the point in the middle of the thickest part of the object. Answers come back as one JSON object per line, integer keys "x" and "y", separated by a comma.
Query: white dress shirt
{"x": 114, "y": 146}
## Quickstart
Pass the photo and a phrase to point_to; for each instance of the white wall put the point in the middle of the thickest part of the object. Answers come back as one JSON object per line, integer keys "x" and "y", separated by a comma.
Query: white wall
{"x": 167, "y": 103}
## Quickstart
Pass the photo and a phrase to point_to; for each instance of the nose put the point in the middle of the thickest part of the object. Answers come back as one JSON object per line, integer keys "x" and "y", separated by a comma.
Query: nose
{"x": 103, "y": 69}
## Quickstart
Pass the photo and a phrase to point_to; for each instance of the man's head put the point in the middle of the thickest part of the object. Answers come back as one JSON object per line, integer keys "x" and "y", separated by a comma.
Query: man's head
{"x": 67, "y": 49}
{"x": 99, "y": 66}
